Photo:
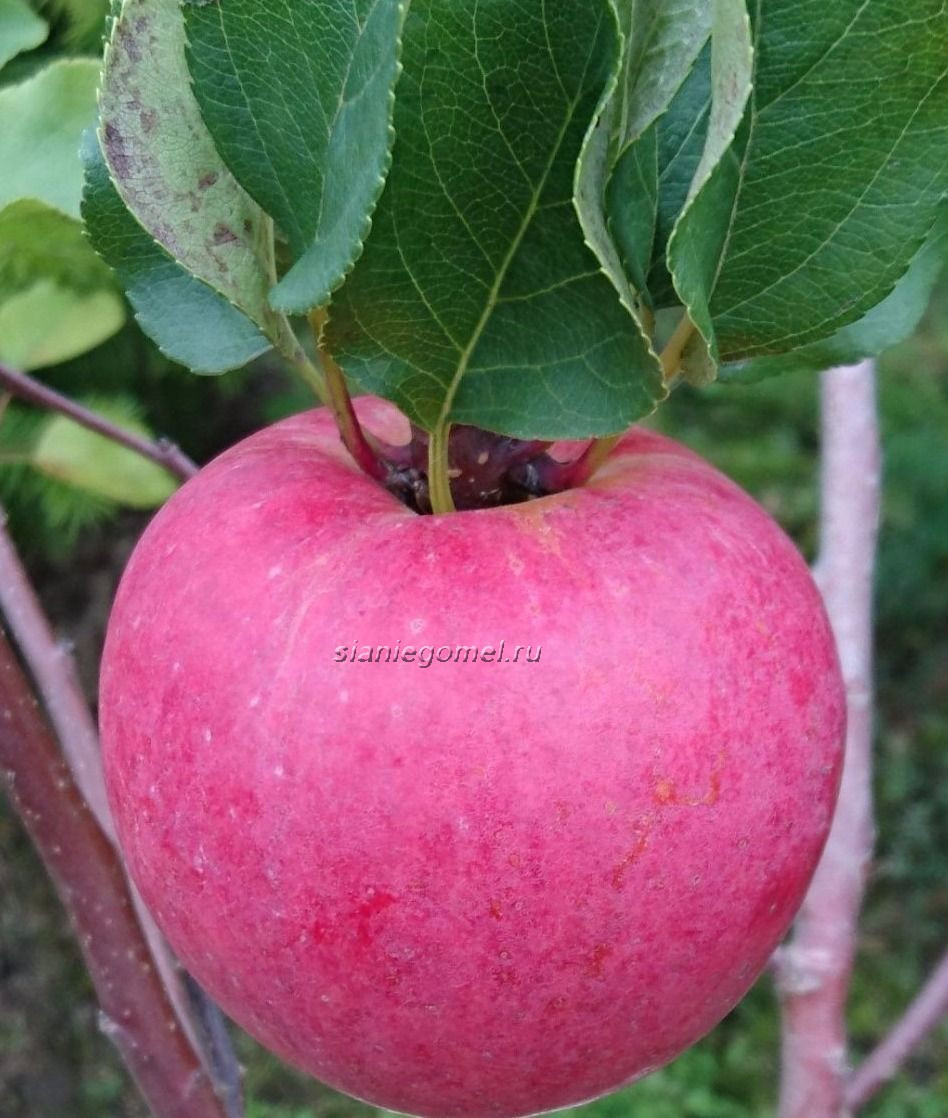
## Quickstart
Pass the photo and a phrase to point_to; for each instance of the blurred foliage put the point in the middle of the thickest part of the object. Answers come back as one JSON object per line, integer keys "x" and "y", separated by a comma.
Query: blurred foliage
{"x": 54, "y": 1062}
{"x": 79, "y": 23}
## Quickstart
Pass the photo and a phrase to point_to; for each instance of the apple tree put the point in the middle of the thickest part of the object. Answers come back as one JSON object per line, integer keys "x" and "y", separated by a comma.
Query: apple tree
{"x": 491, "y": 237}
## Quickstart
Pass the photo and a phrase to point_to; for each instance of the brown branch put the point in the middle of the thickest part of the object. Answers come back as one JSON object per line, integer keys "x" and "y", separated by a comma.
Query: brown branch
{"x": 164, "y": 453}
{"x": 924, "y": 1014}
{"x": 138, "y": 1015}
{"x": 813, "y": 971}
{"x": 53, "y": 672}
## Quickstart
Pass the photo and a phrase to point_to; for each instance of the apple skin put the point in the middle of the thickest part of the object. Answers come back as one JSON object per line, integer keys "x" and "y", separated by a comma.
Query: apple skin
{"x": 470, "y": 890}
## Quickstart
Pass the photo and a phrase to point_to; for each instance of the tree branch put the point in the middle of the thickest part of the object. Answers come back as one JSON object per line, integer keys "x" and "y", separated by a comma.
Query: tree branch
{"x": 138, "y": 1015}
{"x": 55, "y": 677}
{"x": 51, "y": 666}
{"x": 924, "y": 1014}
{"x": 813, "y": 971}
{"x": 217, "y": 1052}
{"x": 164, "y": 453}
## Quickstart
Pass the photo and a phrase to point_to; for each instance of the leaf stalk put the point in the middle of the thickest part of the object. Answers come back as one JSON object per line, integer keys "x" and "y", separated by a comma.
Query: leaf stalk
{"x": 580, "y": 471}
{"x": 671, "y": 355}
{"x": 439, "y": 479}
{"x": 339, "y": 402}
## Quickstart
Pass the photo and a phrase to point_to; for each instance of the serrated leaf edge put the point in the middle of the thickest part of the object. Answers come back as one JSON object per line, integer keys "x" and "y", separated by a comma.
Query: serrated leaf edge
{"x": 277, "y": 330}
{"x": 89, "y": 137}
{"x": 706, "y": 168}
{"x": 366, "y": 231}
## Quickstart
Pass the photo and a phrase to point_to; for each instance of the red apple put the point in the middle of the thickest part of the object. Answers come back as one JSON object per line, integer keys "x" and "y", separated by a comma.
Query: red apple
{"x": 470, "y": 889}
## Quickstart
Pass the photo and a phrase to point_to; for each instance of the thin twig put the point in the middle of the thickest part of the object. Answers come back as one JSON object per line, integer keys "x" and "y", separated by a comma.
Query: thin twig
{"x": 137, "y": 1013}
{"x": 813, "y": 971}
{"x": 928, "y": 1009}
{"x": 217, "y": 1051}
{"x": 163, "y": 452}
{"x": 51, "y": 665}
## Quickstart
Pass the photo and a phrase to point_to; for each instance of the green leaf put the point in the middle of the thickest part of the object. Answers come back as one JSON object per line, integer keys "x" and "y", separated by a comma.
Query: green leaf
{"x": 664, "y": 38}
{"x": 630, "y": 208}
{"x": 888, "y": 323}
{"x": 315, "y": 156}
{"x": 661, "y": 41}
{"x": 41, "y": 124}
{"x": 46, "y": 324}
{"x": 82, "y": 24}
{"x": 830, "y": 185}
{"x": 189, "y": 321}
{"x": 476, "y": 299}
{"x": 660, "y": 44}
{"x": 80, "y": 457}
{"x": 38, "y": 242}
{"x": 20, "y": 29}
{"x": 166, "y": 169}
{"x": 680, "y": 139}
{"x": 49, "y": 513}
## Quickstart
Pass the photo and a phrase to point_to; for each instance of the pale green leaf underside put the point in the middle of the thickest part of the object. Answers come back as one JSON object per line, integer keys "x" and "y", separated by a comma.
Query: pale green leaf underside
{"x": 45, "y": 324}
{"x": 664, "y": 37}
{"x": 680, "y": 137}
{"x": 698, "y": 224}
{"x": 20, "y": 29}
{"x": 887, "y": 324}
{"x": 660, "y": 43}
{"x": 830, "y": 186}
{"x": 298, "y": 97}
{"x": 166, "y": 168}
{"x": 189, "y": 321}
{"x": 732, "y": 66}
{"x": 476, "y": 299}
{"x": 73, "y": 454}
{"x": 41, "y": 125}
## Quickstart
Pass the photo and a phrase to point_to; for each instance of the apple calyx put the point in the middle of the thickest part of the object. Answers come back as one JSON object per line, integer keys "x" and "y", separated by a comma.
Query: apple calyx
{"x": 486, "y": 469}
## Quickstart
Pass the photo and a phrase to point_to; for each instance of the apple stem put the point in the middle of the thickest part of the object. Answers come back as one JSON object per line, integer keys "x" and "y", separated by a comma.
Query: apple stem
{"x": 53, "y": 672}
{"x": 813, "y": 971}
{"x": 162, "y": 452}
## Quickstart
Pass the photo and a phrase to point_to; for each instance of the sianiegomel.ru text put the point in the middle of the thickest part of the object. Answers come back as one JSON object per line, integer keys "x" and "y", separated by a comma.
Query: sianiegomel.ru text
{"x": 426, "y": 655}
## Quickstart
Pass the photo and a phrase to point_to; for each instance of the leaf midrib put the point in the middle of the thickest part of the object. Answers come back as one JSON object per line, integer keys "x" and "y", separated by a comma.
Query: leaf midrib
{"x": 754, "y": 114}
{"x": 493, "y": 295}
{"x": 827, "y": 240}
